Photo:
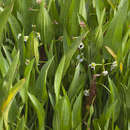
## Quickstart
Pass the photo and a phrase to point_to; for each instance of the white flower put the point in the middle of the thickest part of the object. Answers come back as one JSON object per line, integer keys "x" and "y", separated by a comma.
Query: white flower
{"x": 114, "y": 64}
{"x": 27, "y": 61}
{"x": 92, "y": 65}
{"x": 104, "y": 73}
{"x": 86, "y": 92}
{"x": 1, "y": 9}
{"x": 55, "y": 22}
{"x": 33, "y": 25}
{"x": 78, "y": 57}
{"x": 81, "y": 60}
{"x": 81, "y": 46}
{"x": 19, "y": 35}
{"x": 38, "y": 35}
{"x": 25, "y": 38}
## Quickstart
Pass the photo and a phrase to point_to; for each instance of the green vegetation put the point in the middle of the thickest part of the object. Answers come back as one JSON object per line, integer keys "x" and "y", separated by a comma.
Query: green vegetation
{"x": 64, "y": 64}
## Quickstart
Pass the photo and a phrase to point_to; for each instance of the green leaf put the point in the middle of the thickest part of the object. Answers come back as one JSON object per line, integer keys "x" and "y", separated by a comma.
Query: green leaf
{"x": 73, "y": 25}
{"x": 39, "y": 110}
{"x": 15, "y": 28}
{"x": 21, "y": 124}
{"x": 40, "y": 89}
{"x": 114, "y": 97}
{"x": 58, "y": 77}
{"x": 45, "y": 25}
{"x": 8, "y": 80}
{"x": 128, "y": 94}
{"x": 13, "y": 91}
{"x": 64, "y": 12}
{"x": 4, "y": 18}
{"x": 3, "y": 65}
{"x": 62, "y": 115}
{"x": 78, "y": 81}
{"x": 32, "y": 47}
{"x": 114, "y": 33}
{"x": 82, "y": 9}
{"x": 8, "y": 101}
{"x": 8, "y": 55}
{"x": 27, "y": 74}
{"x": 71, "y": 50}
{"x": 77, "y": 113}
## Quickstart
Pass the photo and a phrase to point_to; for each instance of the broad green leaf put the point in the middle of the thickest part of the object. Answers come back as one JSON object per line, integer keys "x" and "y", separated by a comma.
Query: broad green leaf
{"x": 1, "y": 122}
{"x": 99, "y": 5}
{"x": 109, "y": 114}
{"x": 77, "y": 113}
{"x": 21, "y": 124}
{"x": 58, "y": 77}
{"x": 21, "y": 48}
{"x": 39, "y": 110}
{"x": 3, "y": 64}
{"x": 82, "y": 9}
{"x": 10, "y": 75}
{"x": 45, "y": 25}
{"x": 36, "y": 52}
{"x": 66, "y": 41}
{"x": 96, "y": 125}
{"x": 32, "y": 47}
{"x": 114, "y": 97}
{"x": 27, "y": 74}
{"x": 90, "y": 115}
{"x": 13, "y": 91}
{"x": 62, "y": 115}
{"x": 125, "y": 44}
{"x": 64, "y": 12}
{"x": 28, "y": 15}
{"x": 114, "y": 33}
{"x": 128, "y": 94}
{"x": 8, "y": 101}
{"x": 78, "y": 81}
{"x": 99, "y": 33}
{"x": 15, "y": 28}
{"x": 8, "y": 55}
{"x": 48, "y": 28}
{"x": 4, "y": 18}
{"x": 40, "y": 89}
{"x": 53, "y": 11}
{"x": 70, "y": 52}
{"x": 73, "y": 26}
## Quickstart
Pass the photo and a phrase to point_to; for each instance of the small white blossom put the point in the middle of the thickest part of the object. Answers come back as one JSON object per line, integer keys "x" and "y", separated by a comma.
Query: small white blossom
{"x": 81, "y": 46}
{"x": 55, "y": 22}
{"x": 114, "y": 65}
{"x": 38, "y": 35}
{"x": 25, "y": 38}
{"x": 78, "y": 57}
{"x": 19, "y": 35}
{"x": 27, "y": 61}
{"x": 92, "y": 65}
{"x": 33, "y": 25}
{"x": 86, "y": 92}
{"x": 81, "y": 60}
{"x": 1, "y": 9}
{"x": 104, "y": 73}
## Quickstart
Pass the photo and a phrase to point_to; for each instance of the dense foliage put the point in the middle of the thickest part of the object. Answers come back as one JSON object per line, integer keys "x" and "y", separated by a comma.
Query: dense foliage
{"x": 64, "y": 64}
